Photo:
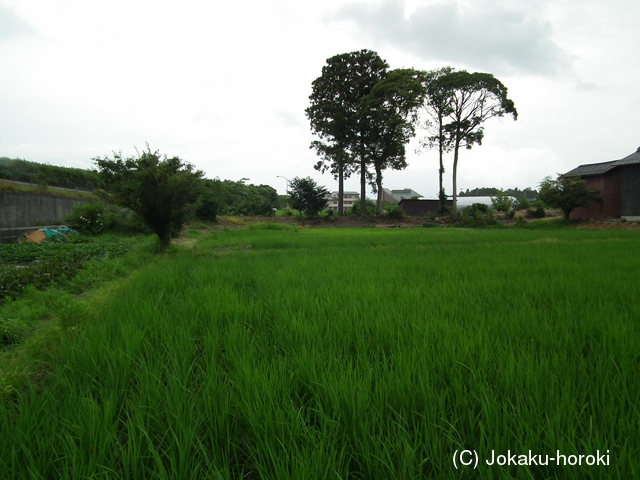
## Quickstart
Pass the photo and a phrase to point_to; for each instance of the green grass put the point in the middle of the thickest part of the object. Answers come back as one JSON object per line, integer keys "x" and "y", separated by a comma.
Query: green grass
{"x": 359, "y": 354}
{"x": 8, "y": 186}
{"x": 50, "y": 308}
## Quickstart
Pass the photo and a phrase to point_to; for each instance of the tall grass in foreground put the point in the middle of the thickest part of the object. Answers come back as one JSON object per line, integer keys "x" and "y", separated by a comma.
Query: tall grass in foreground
{"x": 349, "y": 354}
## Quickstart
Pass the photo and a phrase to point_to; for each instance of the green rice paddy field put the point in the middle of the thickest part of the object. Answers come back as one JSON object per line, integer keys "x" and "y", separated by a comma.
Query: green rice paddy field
{"x": 350, "y": 354}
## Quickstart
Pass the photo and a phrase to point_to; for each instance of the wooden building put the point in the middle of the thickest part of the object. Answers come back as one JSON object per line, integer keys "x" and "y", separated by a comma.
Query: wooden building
{"x": 416, "y": 208}
{"x": 619, "y": 183}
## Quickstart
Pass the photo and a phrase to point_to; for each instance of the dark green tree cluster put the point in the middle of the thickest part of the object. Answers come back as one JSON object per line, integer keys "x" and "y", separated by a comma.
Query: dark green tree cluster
{"x": 239, "y": 198}
{"x": 526, "y": 193}
{"x": 371, "y": 208}
{"x": 305, "y": 195}
{"x": 364, "y": 114}
{"x": 49, "y": 175}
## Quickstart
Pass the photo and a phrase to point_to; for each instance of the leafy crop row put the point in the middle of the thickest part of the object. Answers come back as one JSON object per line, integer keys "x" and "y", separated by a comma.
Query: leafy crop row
{"x": 40, "y": 265}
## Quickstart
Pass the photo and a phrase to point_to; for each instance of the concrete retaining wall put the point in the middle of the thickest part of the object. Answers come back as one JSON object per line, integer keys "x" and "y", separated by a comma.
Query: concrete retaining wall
{"x": 20, "y": 209}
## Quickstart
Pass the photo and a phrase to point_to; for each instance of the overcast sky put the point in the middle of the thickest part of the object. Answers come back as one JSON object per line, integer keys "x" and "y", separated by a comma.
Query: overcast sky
{"x": 224, "y": 85}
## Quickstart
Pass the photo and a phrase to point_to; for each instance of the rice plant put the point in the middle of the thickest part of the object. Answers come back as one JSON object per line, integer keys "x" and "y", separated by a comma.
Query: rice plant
{"x": 349, "y": 354}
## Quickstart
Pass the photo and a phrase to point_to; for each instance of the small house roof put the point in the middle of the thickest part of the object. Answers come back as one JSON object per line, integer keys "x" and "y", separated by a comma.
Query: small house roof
{"x": 604, "y": 167}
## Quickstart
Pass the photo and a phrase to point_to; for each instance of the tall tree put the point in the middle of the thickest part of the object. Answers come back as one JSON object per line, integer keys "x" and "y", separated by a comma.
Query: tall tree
{"x": 390, "y": 115}
{"x": 437, "y": 106}
{"x": 161, "y": 190}
{"x": 473, "y": 98}
{"x": 336, "y": 114}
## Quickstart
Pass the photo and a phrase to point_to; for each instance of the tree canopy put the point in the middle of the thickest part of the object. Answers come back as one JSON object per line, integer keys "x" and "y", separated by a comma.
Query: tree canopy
{"x": 161, "y": 190}
{"x": 436, "y": 107}
{"x": 307, "y": 196}
{"x": 336, "y": 112}
{"x": 467, "y": 101}
{"x": 567, "y": 193}
{"x": 390, "y": 115}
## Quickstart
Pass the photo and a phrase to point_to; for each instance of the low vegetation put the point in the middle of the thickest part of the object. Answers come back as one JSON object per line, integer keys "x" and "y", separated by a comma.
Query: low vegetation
{"x": 40, "y": 265}
{"x": 43, "y": 175}
{"x": 10, "y": 186}
{"x": 346, "y": 353}
{"x": 44, "y": 296}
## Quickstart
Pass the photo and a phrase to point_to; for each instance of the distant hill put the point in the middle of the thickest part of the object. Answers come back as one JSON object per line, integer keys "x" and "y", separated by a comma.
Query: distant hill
{"x": 48, "y": 175}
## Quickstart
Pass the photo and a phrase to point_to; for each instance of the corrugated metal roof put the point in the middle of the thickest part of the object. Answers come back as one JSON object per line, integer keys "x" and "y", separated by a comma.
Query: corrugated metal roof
{"x": 604, "y": 167}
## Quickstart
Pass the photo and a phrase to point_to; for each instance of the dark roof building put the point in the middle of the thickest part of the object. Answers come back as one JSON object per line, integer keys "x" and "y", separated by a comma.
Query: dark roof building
{"x": 397, "y": 195}
{"x": 619, "y": 183}
{"x": 419, "y": 207}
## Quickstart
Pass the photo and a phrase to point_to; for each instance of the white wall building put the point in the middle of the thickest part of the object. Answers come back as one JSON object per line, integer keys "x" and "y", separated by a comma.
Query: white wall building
{"x": 348, "y": 199}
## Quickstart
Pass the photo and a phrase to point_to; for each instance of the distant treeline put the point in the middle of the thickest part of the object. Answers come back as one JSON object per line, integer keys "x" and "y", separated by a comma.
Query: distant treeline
{"x": 238, "y": 198}
{"x": 223, "y": 197}
{"x": 527, "y": 193}
{"x": 48, "y": 175}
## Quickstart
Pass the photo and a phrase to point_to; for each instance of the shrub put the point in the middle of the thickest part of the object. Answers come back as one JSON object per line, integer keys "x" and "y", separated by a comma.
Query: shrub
{"x": 96, "y": 218}
{"x": 502, "y": 202}
{"x": 207, "y": 207}
{"x": 537, "y": 213}
{"x": 355, "y": 209}
{"x": 395, "y": 212}
{"x": 92, "y": 218}
{"x": 444, "y": 211}
{"x": 477, "y": 215}
{"x": 521, "y": 204}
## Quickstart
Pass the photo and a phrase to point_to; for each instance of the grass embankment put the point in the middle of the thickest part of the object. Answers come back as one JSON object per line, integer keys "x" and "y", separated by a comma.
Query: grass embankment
{"x": 349, "y": 354}
{"x": 9, "y": 186}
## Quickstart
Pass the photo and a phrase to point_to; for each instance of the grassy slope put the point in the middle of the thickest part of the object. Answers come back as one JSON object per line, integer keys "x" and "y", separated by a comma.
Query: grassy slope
{"x": 349, "y": 354}
{"x": 9, "y": 186}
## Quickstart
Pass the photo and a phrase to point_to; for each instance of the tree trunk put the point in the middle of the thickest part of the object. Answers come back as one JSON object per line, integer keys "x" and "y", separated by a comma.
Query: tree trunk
{"x": 443, "y": 199}
{"x": 164, "y": 240}
{"x": 456, "y": 148}
{"x": 340, "y": 189}
{"x": 363, "y": 180}
{"x": 379, "y": 188}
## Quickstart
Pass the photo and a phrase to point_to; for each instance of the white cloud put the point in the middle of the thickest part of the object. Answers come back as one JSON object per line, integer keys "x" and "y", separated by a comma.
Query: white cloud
{"x": 12, "y": 25}
{"x": 224, "y": 85}
{"x": 506, "y": 40}
{"x": 491, "y": 166}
